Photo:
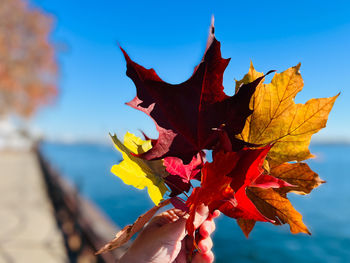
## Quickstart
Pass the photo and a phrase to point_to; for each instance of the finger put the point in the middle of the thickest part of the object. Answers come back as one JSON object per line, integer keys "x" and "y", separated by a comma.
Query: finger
{"x": 203, "y": 257}
{"x": 205, "y": 245}
{"x": 202, "y": 213}
{"x": 173, "y": 215}
{"x": 166, "y": 217}
{"x": 175, "y": 212}
{"x": 179, "y": 212}
{"x": 207, "y": 228}
{"x": 215, "y": 214}
{"x": 173, "y": 231}
{"x": 159, "y": 221}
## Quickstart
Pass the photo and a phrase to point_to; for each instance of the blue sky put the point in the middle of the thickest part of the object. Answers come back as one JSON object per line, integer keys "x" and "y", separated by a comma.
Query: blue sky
{"x": 170, "y": 36}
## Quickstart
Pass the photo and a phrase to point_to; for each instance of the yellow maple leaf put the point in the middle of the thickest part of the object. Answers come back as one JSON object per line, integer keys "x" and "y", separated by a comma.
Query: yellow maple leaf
{"x": 277, "y": 119}
{"x": 138, "y": 172}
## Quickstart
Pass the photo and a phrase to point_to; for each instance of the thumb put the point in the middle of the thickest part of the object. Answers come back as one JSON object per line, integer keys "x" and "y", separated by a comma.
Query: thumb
{"x": 202, "y": 213}
{"x": 177, "y": 230}
{"x": 174, "y": 231}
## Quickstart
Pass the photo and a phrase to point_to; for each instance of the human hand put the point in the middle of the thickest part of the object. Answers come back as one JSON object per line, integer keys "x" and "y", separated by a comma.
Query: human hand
{"x": 164, "y": 239}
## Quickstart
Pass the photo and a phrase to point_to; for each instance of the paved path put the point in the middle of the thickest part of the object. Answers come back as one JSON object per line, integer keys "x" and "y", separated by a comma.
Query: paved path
{"x": 28, "y": 230}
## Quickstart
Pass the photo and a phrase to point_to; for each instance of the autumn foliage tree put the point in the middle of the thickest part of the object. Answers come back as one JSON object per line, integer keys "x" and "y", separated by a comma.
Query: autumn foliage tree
{"x": 27, "y": 61}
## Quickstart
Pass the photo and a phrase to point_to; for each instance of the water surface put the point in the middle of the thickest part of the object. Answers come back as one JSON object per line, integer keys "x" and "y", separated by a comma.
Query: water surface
{"x": 326, "y": 211}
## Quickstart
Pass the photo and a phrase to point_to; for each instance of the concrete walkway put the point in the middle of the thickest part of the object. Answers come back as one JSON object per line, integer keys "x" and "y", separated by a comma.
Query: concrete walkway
{"x": 28, "y": 230}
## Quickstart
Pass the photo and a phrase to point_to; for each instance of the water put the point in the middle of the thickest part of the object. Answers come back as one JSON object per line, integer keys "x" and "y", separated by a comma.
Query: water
{"x": 326, "y": 211}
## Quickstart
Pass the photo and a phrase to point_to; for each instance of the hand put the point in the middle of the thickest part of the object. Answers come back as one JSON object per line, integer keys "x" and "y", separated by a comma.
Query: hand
{"x": 164, "y": 239}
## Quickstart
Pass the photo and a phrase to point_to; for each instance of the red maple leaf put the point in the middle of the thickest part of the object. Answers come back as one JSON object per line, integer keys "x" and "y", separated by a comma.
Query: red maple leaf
{"x": 224, "y": 183}
{"x": 181, "y": 174}
{"x": 187, "y": 114}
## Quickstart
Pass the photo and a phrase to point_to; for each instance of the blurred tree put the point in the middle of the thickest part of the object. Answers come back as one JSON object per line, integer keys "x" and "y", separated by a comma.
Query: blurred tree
{"x": 28, "y": 67}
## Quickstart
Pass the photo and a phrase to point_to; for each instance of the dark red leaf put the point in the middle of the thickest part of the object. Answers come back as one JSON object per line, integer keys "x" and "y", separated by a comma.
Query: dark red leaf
{"x": 178, "y": 203}
{"x": 181, "y": 174}
{"x": 186, "y": 114}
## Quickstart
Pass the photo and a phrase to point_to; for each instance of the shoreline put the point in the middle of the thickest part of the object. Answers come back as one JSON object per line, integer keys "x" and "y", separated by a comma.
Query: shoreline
{"x": 85, "y": 227}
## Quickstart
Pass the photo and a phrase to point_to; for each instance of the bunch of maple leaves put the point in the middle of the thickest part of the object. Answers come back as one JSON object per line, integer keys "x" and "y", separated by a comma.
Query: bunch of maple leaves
{"x": 258, "y": 138}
